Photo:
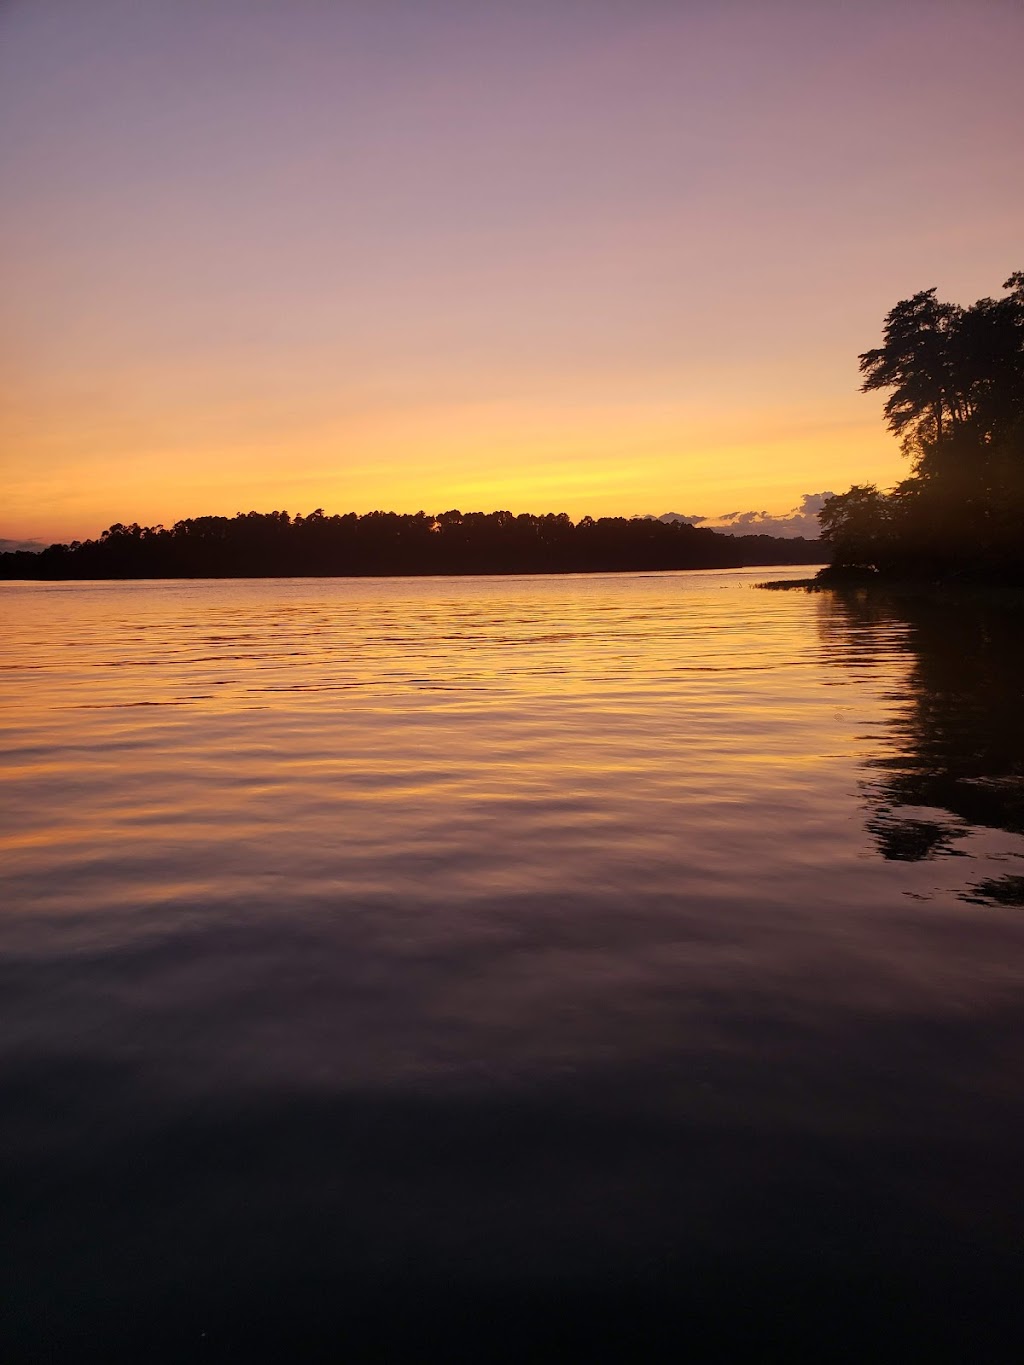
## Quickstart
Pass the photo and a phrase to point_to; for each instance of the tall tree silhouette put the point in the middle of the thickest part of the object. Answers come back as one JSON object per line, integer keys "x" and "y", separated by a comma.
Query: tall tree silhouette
{"x": 915, "y": 361}
{"x": 955, "y": 382}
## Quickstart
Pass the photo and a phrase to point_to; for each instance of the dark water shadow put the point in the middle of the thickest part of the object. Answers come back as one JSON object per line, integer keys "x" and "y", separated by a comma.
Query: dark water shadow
{"x": 955, "y": 760}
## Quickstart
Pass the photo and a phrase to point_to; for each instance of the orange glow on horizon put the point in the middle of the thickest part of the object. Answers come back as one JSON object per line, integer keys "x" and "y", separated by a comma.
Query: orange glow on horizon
{"x": 613, "y": 462}
{"x": 411, "y": 257}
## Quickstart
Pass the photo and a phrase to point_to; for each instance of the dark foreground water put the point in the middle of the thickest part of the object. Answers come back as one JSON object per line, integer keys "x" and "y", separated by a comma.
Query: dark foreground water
{"x": 608, "y": 967}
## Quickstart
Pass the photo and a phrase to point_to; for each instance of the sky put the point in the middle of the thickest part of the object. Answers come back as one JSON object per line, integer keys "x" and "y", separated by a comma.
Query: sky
{"x": 601, "y": 257}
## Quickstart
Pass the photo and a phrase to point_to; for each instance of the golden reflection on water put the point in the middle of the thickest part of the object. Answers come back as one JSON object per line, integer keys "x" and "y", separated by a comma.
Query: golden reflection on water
{"x": 535, "y": 732}
{"x": 450, "y": 740}
{"x": 557, "y": 931}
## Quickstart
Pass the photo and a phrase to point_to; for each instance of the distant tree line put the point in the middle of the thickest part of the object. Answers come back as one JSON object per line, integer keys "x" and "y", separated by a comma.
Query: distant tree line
{"x": 257, "y": 544}
{"x": 955, "y": 380}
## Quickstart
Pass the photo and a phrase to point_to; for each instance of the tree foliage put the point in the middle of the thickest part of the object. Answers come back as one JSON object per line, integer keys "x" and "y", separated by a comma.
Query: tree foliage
{"x": 955, "y": 383}
{"x": 951, "y": 372}
{"x": 254, "y": 544}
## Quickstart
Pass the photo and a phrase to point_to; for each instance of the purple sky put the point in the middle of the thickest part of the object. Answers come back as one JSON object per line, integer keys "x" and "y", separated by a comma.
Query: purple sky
{"x": 585, "y": 257}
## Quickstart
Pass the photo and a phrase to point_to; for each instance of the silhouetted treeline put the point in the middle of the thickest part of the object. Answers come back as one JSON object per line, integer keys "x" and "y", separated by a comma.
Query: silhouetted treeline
{"x": 256, "y": 544}
{"x": 955, "y": 378}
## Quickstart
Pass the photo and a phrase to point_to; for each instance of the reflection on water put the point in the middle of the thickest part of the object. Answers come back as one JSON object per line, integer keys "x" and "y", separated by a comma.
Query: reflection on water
{"x": 953, "y": 767}
{"x": 614, "y": 962}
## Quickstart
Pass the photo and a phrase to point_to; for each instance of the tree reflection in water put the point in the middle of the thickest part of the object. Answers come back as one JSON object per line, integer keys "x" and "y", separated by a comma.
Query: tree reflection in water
{"x": 955, "y": 741}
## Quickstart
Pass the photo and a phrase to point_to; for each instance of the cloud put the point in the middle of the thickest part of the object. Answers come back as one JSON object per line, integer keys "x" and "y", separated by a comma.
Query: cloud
{"x": 801, "y": 521}
{"x": 680, "y": 516}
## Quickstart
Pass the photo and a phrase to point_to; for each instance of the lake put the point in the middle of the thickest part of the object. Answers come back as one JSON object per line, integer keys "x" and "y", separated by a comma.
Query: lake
{"x": 611, "y": 965}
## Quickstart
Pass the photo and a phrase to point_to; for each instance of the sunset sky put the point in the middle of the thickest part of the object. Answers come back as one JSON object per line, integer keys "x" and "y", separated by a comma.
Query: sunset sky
{"x": 564, "y": 256}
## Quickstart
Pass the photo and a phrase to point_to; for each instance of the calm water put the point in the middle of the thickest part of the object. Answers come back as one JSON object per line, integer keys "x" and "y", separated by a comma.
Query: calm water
{"x": 597, "y": 965}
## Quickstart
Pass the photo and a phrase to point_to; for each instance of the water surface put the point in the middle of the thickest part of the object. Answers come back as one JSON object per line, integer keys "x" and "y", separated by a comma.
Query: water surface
{"x": 623, "y": 961}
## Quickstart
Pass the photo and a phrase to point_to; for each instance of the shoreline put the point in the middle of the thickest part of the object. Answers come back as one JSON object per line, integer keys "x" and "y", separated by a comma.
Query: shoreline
{"x": 901, "y": 587}
{"x": 498, "y": 573}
